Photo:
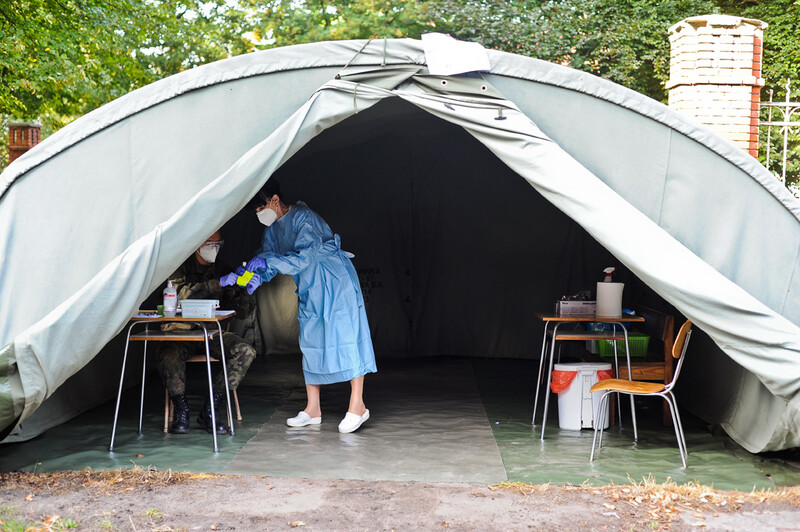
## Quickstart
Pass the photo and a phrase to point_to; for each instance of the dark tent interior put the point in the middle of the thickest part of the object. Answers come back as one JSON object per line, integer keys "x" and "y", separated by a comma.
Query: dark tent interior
{"x": 454, "y": 250}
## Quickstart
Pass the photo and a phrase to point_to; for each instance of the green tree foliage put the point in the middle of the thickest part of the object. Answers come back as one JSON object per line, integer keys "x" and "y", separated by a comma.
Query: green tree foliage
{"x": 54, "y": 54}
{"x": 498, "y": 24}
{"x": 624, "y": 41}
{"x": 67, "y": 57}
{"x": 284, "y": 22}
{"x": 62, "y": 58}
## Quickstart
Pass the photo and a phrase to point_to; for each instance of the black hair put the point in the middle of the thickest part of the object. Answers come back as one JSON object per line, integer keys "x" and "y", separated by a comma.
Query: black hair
{"x": 269, "y": 189}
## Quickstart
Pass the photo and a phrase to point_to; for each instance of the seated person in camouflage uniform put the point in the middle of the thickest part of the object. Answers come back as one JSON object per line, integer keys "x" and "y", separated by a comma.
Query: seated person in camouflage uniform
{"x": 198, "y": 278}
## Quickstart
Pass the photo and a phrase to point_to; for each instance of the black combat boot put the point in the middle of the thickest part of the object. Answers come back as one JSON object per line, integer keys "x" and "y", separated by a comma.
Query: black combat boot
{"x": 180, "y": 415}
{"x": 204, "y": 419}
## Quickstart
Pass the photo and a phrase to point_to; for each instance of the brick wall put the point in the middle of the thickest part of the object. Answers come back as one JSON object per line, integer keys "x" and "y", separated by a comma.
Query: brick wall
{"x": 715, "y": 74}
{"x": 21, "y": 138}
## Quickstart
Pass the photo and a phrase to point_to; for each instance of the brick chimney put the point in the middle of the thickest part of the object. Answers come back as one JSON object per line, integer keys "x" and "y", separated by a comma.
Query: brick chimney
{"x": 21, "y": 138}
{"x": 715, "y": 75}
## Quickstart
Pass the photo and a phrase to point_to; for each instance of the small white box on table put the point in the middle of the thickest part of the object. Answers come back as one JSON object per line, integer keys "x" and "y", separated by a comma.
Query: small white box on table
{"x": 576, "y": 308}
{"x": 198, "y": 308}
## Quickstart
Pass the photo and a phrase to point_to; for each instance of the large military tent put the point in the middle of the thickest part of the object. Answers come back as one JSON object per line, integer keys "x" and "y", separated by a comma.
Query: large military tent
{"x": 469, "y": 200}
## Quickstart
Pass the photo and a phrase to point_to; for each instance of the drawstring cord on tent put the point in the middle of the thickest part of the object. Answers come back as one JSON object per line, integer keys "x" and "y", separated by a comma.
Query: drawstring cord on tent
{"x": 355, "y": 89}
{"x": 338, "y": 76}
{"x": 383, "y": 59}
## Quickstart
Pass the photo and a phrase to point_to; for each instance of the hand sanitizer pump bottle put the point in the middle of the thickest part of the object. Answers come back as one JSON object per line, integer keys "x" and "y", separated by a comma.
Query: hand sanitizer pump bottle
{"x": 170, "y": 300}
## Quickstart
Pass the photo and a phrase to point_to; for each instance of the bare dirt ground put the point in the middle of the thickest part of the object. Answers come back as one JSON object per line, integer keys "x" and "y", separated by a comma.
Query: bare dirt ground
{"x": 140, "y": 500}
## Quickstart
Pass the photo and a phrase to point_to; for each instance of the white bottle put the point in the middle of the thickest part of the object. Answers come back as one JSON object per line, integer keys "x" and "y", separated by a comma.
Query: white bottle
{"x": 170, "y": 300}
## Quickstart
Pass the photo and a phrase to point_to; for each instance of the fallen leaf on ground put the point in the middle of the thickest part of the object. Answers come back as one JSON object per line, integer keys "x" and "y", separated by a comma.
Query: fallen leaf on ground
{"x": 213, "y": 527}
{"x": 297, "y": 523}
{"x": 609, "y": 506}
{"x": 29, "y": 498}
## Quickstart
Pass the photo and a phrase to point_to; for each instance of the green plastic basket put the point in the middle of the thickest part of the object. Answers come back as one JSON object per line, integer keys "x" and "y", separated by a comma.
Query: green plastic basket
{"x": 637, "y": 342}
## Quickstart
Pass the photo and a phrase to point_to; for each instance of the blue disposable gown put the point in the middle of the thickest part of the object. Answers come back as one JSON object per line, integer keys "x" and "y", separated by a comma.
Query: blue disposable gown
{"x": 334, "y": 333}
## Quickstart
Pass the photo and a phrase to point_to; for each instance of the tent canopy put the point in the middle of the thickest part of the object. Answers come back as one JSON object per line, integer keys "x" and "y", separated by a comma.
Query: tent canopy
{"x": 470, "y": 201}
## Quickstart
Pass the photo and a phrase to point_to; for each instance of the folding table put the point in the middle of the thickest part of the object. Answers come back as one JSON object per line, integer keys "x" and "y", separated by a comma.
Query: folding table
{"x": 618, "y": 332}
{"x": 157, "y": 335}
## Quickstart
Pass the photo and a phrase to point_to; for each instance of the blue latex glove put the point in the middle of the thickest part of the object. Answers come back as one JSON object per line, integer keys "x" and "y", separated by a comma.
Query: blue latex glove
{"x": 254, "y": 283}
{"x": 240, "y": 270}
{"x": 228, "y": 279}
{"x": 255, "y": 264}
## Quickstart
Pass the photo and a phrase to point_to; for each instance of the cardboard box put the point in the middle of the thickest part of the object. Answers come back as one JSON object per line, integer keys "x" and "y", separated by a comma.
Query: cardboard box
{"x": 576, "y": 308}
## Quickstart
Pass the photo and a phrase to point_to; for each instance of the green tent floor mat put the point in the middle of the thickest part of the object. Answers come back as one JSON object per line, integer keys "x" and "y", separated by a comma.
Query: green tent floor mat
{"x": 406, "y": 437}
{"x": 447, "y": 419}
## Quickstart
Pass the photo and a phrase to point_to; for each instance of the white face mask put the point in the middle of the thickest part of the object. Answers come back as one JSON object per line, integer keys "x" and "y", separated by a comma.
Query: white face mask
{"x": 209, "y": 253}
{"x": 267, "y": 216}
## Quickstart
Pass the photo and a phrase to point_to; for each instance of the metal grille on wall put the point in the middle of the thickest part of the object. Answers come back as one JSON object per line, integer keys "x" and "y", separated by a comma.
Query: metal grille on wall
{"x": 788, "y": 112}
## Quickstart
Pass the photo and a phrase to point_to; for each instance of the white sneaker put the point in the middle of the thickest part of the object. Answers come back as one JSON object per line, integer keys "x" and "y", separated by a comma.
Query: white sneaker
{"x": 352, "y": 421}
{"x": 302, "y": 419}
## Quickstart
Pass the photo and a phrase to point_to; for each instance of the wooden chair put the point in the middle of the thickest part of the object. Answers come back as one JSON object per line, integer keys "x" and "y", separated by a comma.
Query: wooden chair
{"x": 658, "y": 364}
{"x": 641, "y": 388}
{"x": 168, "y": 404}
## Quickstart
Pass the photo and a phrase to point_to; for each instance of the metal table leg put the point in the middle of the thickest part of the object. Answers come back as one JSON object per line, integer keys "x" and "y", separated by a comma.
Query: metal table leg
{"x": 119, "y": 393}
{"x": 549, "y": 377}
{"x": 225, "y": 375}
{"x": 210, "y": 389}
{"x": 144, "y": 372}
{"x": 539, "y": 378}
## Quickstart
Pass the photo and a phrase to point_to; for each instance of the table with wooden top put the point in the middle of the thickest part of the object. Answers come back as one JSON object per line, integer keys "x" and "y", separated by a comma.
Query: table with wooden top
{"x": 155, "y": 334}
{"x": 556, "y": 334}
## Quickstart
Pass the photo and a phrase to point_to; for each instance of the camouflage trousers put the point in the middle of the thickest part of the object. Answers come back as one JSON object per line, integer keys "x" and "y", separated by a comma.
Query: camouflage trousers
{"x": 172, "y": 357}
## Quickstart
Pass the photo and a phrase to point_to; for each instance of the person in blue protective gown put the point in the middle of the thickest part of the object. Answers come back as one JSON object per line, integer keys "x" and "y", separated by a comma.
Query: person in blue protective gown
{"x": 334, "y": 332}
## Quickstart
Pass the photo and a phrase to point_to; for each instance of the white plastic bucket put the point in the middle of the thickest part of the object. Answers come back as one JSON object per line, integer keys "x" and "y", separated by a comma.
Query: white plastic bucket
{"x": 577, "y": 406}
{"x": 609, "y": 299}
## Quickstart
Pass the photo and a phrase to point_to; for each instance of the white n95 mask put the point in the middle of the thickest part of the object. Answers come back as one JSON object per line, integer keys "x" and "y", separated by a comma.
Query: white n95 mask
{"x": 267, "y": 216}
{"x": 209, "y": 253}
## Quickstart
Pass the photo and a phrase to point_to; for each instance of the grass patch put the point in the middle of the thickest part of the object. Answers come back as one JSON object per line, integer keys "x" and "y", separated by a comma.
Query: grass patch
{"x": 134, "y": 479}
{"x": 664, "y": 502}
{"x": 11, "y": 521}
{"x": 154, "y": 513}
